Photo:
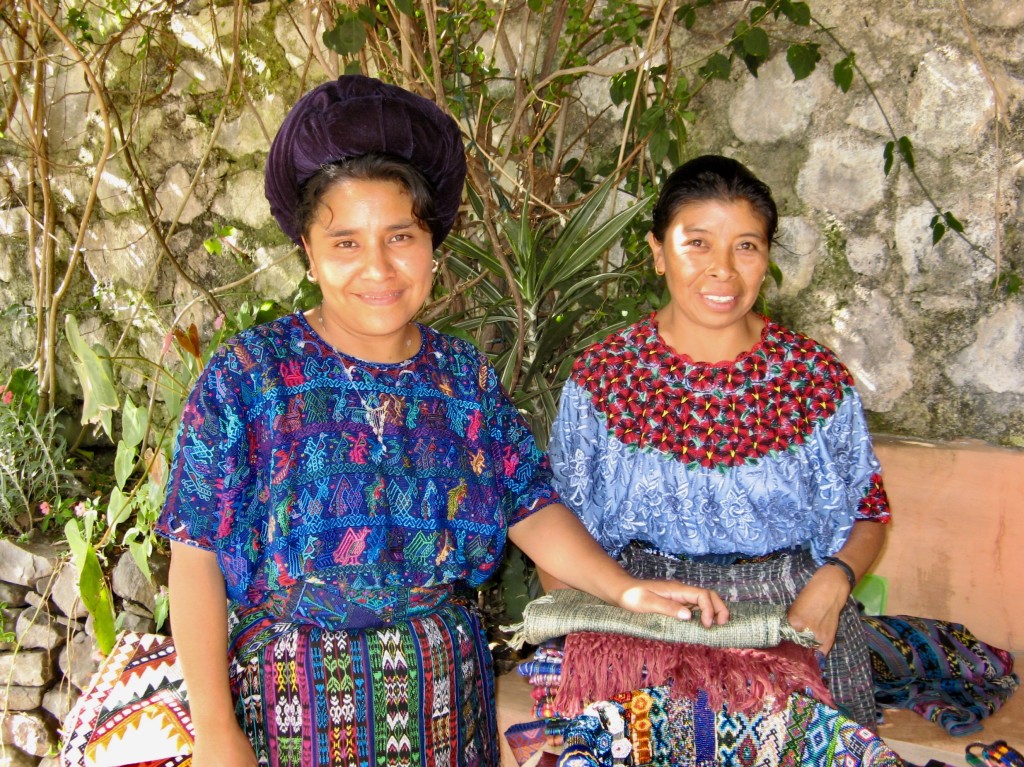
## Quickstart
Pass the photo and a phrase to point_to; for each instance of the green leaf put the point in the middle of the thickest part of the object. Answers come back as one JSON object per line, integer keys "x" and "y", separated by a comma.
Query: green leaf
{"x": 718, "y": 67}
{"x": 77, "y": 544}
{"x": 737, "y": 36}
{"x": 118, "y": 509}
{"x": 133, "y": 422}
{"x": 367, "y": 13}
{"x": 140, "y": 553}
{"x": 213, "y": 246}
{"x": 514, "y": 584}
{"x": 842, "y": 73}
{"x": 652, "y": 119}
{"x": 406, "y": 7}
{"x": 687, "y": 15}
{"x": 124, "y": 462}
{"x": 776, "y": 273}
{"x": 96, "y": 598}
{"x": 938, "y": 230}
{"x": 802, "y": 59}
{"x": 906, "y": 151}
{"x": 755, "y": 42}
{"x": 757, "y": 13}
{"x": 953, "y": 222}
{"x": 574, "y": 249}
{"x": 753, "y": 63}
{"x": 535, "y": 5}
{"x": 798, "y": 13}
{"x": 95, "y": 373}
{"x": 161, "y": 609}
{"x": 658, "y": 146}
{"x": 347, "y": 37}
{"x": 888, "y": 154}
{"x": 622, "y": 86}
{"x": 1010, "y": 282}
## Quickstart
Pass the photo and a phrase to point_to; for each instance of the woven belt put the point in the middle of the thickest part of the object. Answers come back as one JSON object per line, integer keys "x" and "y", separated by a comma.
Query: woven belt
{"x": 722, "y": 559}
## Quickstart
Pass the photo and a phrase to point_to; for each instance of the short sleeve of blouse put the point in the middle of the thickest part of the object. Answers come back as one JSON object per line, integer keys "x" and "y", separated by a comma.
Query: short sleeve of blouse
{"x": 209, "y": 470}
{"x": 521, "y": 468}
{"x": 849, "y": 438}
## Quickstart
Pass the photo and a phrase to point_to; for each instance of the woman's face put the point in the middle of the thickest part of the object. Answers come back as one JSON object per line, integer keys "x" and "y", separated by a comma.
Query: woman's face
{"x": 714, "y": 257}
{"x": 373, "y": 261}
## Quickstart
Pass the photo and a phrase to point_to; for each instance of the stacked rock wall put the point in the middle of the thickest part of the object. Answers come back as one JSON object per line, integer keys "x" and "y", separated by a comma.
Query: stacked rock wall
{"x": 54, "y": 654}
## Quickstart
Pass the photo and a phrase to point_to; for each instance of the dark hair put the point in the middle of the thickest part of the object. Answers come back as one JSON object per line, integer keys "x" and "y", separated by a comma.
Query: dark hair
{"x": 369, "y": 167}
{"x": 713, "y": 177}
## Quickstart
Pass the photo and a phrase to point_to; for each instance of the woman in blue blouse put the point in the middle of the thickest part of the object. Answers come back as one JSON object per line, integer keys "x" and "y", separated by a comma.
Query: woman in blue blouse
{"x": 340, "y": 473}
{"x": 709, "y": 444}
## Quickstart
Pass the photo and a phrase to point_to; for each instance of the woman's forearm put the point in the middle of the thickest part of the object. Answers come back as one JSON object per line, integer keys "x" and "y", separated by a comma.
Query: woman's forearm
{"x": 863, "y": 546}
{"x": 200, "y": 620}
{"x": 561, "y": 547}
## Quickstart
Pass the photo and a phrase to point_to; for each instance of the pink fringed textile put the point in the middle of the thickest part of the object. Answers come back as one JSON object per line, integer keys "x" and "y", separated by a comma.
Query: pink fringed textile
{"x": 597, "y": 666}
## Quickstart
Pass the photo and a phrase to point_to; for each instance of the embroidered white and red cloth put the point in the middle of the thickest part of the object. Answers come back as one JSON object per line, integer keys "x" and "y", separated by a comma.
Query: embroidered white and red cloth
{"x": 135, "y": 711}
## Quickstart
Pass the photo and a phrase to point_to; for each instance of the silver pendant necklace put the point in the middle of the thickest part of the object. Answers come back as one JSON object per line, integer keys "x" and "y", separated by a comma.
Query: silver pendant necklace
{"x": 376, "y": 416}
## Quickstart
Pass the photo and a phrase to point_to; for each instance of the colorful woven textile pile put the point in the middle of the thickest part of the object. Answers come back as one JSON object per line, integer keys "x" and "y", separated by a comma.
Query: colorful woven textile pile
{"x": 724, "y": 707}
{"x": 652, "y": 727}
{"x": 938, "y": 669}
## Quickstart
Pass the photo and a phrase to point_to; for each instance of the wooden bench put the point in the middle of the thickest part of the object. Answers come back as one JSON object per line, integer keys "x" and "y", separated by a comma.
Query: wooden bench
{"x": 953, "y": 553}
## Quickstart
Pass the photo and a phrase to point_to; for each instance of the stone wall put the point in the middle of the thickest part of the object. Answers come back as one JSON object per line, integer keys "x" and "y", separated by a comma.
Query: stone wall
{"x": 938, "y": 353}
{"x": 54, "y": 652}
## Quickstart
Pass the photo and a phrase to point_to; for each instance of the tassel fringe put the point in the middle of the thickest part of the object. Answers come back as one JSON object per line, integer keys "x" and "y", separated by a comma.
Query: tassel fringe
{"x": 599, "y": 666}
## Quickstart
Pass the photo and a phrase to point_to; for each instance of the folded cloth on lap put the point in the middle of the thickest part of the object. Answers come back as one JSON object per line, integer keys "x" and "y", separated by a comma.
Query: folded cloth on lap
{"x": 750, "y": 624}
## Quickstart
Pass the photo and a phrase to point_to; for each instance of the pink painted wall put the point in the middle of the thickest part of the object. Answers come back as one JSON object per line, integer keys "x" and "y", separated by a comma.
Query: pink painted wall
{"x": 955, "y": 549}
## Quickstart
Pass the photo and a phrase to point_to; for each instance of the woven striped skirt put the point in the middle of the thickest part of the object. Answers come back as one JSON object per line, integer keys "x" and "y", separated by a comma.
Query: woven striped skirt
{"x": 778, "y": 580}
{"x": 420, "y": 692}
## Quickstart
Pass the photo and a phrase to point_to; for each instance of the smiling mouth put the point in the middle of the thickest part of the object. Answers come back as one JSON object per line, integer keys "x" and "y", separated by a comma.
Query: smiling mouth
{"x": 719, "y": 299}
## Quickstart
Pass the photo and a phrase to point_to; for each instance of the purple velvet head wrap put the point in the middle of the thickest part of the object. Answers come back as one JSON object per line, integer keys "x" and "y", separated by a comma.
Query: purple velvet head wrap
{"x": 355, "y": 115}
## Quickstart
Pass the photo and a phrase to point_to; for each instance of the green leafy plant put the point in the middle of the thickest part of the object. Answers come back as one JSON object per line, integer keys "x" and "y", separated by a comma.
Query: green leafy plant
{"x": 34, "y": 474}
{"x": 540, "y": 296}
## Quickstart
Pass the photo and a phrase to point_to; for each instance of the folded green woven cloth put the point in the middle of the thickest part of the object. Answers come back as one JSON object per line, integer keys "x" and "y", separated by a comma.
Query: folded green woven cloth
{"x": 750, "y": 624}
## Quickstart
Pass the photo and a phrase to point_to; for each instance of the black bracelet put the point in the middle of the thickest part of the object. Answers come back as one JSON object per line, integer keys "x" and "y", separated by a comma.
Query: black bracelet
{"x": 850, "y": 575}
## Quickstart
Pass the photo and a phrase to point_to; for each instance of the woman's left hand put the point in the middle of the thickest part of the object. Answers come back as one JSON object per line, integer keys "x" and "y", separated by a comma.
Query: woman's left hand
{"x": 676, "y": 600}
{"x": 817, "y": 607}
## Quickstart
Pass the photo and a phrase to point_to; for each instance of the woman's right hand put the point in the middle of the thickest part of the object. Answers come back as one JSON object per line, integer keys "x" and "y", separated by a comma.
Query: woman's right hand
{"x": 224, "y": 746}
{"x": 676, "y": 600}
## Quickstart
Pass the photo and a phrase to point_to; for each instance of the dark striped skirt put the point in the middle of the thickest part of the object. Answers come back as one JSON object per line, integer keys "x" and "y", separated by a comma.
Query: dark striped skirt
{"x": 778, "y": 581}
{"x": 420, "y": 692}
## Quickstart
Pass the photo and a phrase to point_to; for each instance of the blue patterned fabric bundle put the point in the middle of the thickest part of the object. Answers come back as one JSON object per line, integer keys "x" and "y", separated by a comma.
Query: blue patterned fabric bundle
{"x": 938, "y": 669}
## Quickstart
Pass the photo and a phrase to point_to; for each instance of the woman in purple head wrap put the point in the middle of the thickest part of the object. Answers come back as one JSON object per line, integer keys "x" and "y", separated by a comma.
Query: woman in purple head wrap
{"x": 344, "y": 476}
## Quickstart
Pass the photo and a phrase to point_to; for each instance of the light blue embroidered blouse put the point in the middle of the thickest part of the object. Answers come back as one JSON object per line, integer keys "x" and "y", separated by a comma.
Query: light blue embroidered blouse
{"x": 767, "y": 452}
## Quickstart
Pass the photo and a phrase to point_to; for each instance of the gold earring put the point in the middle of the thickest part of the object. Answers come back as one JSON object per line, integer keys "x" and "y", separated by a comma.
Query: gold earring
{"x": 435, "y": 266}
{"x": 659, "y": 272}
{"x": 310, "y": 277}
